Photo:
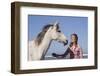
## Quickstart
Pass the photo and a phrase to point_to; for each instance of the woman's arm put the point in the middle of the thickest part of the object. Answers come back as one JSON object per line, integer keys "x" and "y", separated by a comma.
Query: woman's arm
{"x": 61, "y": 55}
{"x": 81, "y": 53}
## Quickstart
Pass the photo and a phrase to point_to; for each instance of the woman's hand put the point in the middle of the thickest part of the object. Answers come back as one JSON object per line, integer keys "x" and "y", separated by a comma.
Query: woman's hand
{"x": 56, "y": 55}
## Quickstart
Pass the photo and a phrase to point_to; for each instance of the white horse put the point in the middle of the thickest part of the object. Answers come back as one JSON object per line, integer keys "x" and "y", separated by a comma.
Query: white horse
{"x": 39, "y": 46}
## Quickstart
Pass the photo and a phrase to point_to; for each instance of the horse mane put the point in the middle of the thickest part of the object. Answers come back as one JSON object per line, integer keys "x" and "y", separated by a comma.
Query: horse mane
{"x": 41, "y": 35}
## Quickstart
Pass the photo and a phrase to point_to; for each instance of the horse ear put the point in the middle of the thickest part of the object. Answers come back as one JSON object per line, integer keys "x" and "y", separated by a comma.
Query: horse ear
{"x": 56, "y": 25}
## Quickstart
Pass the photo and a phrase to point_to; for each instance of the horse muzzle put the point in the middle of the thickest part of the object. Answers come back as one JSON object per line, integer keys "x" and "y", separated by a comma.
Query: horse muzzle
{"x": 65, "y": 43}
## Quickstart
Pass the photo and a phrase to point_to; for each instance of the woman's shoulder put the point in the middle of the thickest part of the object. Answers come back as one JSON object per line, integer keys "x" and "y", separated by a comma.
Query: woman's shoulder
{"x": 78, "y": 46}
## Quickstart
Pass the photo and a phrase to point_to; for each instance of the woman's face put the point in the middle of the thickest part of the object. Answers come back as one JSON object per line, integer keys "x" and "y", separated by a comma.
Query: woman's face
{"x": 73, "y": 38}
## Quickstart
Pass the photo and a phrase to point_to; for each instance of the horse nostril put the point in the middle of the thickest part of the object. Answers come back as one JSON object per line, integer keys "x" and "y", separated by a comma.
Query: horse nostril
{"x": 66, "y": 41}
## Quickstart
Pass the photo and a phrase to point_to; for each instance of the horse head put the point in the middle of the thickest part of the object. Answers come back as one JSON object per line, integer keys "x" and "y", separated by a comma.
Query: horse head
{"x": 55, "y": 33}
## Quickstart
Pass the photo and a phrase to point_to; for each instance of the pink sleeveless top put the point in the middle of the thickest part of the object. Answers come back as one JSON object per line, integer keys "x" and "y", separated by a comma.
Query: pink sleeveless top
{"x": 77, "y": 51}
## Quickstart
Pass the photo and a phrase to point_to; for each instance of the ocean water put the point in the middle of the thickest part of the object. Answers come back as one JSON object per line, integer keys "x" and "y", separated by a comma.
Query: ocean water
{"x": 54, "y": 58}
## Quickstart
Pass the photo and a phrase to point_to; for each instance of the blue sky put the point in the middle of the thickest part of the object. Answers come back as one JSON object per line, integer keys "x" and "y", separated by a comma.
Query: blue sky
{"x": 68, "y": 25}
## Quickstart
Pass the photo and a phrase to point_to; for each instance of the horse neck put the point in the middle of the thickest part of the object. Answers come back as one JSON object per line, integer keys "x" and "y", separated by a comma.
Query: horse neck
{"x": 45, "y": 43}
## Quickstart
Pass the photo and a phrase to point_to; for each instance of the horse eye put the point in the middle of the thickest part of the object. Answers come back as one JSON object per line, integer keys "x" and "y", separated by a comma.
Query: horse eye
{"x": 59, "y": 31}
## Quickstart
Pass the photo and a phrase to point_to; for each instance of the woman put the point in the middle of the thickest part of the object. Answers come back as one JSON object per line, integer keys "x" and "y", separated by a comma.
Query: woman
{"x": 74, "y": 49}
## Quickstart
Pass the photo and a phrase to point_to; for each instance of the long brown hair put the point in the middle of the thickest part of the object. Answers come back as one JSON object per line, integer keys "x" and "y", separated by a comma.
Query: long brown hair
{"x": 76, "y": 37}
